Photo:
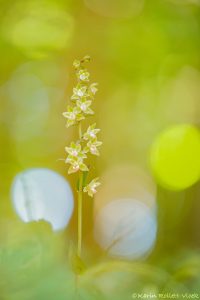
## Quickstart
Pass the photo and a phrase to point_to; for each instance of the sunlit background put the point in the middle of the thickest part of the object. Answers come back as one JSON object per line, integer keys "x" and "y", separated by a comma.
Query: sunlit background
{"x": 141, "y": 232}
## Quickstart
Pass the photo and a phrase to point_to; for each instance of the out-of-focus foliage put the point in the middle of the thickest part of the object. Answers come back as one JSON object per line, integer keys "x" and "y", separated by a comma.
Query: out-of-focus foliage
{"x": 34, "y": 265}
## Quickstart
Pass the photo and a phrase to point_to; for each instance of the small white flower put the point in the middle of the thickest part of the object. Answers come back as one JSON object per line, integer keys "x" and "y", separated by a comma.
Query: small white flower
{"x": 83, "y": 75}
{"x": 84, "y": 106}
{"x": 79, "y": 92}
{"x": 75, "y": 158}
{"x": 91, "y": 187}
{"x": 91, "y": 132}
{"x": 76, "y": 64}
{"x": 76, "y": 164}
{"x": 75, "y": 151}
{"x": 73, "y": 115}
{"x": 92, "y": 147}
{"x": 93, "y": 88}
{"x": 70, "y": 113}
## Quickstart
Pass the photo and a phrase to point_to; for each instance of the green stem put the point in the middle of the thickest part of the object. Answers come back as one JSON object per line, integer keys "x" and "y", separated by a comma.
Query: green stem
{"x": 80, "y": 204}
{"x": 80, "y": 207}
{"x": 80, "y": 130}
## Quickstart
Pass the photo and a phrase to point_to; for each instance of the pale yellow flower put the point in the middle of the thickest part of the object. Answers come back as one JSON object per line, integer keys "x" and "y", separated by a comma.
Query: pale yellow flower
{"x": 92, "y": 147}
{"x": 76, "y": 165}
{"x": 84, "y": 106}
{"x": 83, "y": 75}
{"x": 73, "y": 115}
{"x": 91, "y": 187}
{"x": 93, "y": 88}
{"x": 79, "y": 92}
{"x": 75, "y": 151}
{"x": 75, "y": 158}
{"x": 76, "y": 63}
{"x": 91, "y": 132}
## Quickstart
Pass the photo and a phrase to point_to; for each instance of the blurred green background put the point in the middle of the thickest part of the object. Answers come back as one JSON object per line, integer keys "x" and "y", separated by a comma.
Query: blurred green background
{"x": 145, "y": 55}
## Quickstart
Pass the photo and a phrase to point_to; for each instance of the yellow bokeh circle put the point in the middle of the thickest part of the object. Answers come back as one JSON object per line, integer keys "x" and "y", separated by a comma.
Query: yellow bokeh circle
{"x": 175, "y": 157}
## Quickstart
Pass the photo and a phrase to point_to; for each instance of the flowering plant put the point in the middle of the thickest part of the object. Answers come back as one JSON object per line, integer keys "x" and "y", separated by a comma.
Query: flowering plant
{"x": 87, "y": 143}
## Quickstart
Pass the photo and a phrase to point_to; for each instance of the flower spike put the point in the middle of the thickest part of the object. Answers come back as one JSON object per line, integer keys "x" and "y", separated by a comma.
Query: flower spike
{"x": 87, "y": 144}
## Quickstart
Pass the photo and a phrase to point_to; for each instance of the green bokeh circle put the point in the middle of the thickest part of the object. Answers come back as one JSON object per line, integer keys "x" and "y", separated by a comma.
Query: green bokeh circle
{"x": 175, "y": 157}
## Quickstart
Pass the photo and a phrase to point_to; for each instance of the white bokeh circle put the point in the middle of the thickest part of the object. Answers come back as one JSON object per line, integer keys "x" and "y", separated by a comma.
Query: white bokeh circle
{"x": 126, "y": 228}
{"x": 42, "y": 194}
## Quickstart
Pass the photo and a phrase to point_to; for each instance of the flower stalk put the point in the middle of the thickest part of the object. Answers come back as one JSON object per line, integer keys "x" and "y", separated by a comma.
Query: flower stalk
{"x": 80, "y": 213}
{"x": 87, "y": 144}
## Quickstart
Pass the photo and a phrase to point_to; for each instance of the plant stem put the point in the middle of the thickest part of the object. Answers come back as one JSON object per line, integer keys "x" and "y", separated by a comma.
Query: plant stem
{"x": 80, "y": 130}
{"x": 80, "y": 204}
